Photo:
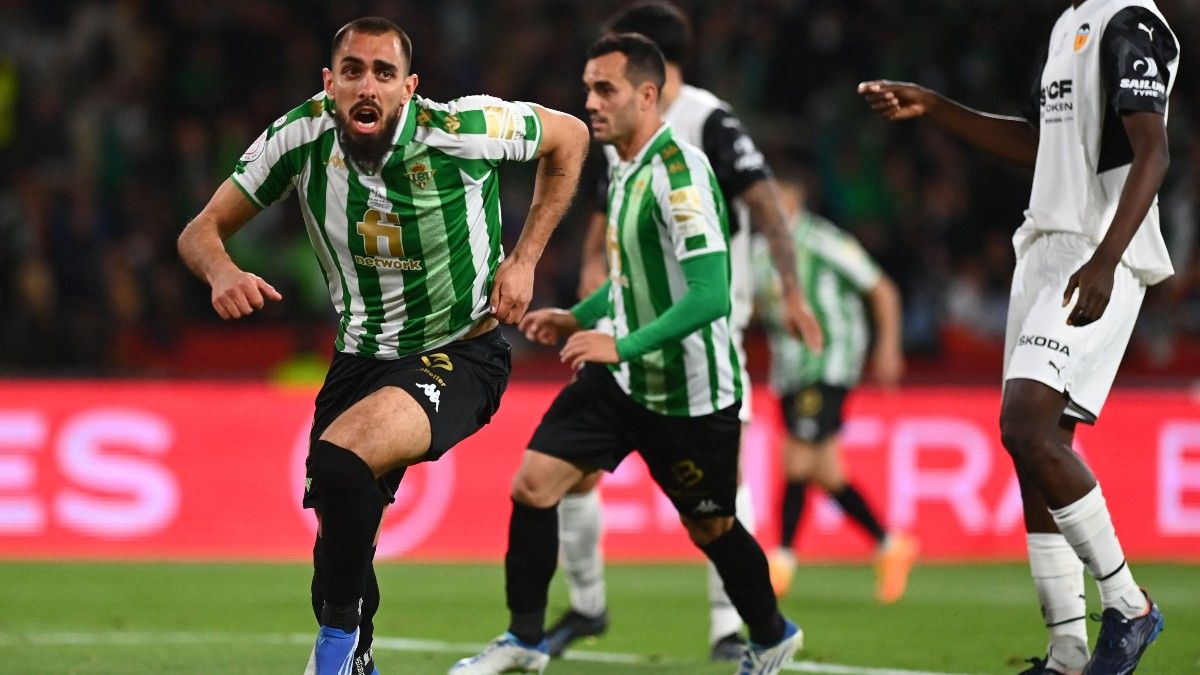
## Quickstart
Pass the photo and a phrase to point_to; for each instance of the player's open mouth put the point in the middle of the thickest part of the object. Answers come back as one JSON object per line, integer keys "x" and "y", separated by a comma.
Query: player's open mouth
{"x": 365, "y": 120}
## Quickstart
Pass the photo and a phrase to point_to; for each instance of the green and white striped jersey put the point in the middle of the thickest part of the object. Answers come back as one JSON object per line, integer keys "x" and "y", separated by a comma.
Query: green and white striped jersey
{"x": 664, "y": 206}
{"x": 836, "y": 272}
{"x": 408, "y": 253}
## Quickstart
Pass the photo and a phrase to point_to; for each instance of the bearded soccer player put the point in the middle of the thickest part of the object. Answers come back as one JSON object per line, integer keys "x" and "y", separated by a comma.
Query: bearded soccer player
{"x": 700, "y": 118}
{"x": 400, "y": 197}
{"x": 665, "y": 381}
{"x": 1095, "y": 134}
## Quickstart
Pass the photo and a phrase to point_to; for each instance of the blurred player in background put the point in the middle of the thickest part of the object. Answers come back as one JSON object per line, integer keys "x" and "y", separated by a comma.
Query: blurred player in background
{"x": 812, "y": 387}
{"x": 665, "y": 381}
{"x": 1094, "y": 132}
{"x": 400, "y": 197}
{"x": 700, "y": 118}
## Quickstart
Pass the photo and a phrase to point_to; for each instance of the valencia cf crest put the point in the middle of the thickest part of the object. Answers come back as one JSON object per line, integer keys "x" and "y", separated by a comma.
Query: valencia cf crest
{"x": 1082, "y": 35}
{"x": 420, "y": 175}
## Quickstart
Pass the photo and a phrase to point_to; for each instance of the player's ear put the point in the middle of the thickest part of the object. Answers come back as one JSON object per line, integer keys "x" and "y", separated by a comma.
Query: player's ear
{"x": 327, "y": 79}
{"x": 648, "y": 94}
{"x": 410, "y": 87}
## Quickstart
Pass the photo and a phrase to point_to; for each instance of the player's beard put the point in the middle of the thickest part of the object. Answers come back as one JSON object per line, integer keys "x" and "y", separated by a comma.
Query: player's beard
{"x": 367, "y": 151}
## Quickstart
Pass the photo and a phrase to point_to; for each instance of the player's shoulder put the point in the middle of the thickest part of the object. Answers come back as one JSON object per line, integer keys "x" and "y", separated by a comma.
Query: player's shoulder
{"x": 683, "y": 163}
{"x": 474, "y": 114}
{"x": 1136, "y": 15}
{"x": 310, "y": 114}
{"x": 702, "y": 100}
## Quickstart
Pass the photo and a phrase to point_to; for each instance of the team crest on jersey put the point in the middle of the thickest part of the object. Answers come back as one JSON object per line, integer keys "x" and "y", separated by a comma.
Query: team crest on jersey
{"x": 453, "y": 123}
{"x": 424, "y": 118}
{"x": 1082, "y": 35}
{"x": 420, "y": 175}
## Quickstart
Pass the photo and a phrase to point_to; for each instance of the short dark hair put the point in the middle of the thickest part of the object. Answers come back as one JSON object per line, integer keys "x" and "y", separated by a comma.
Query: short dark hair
{"x": 644, "y": 60}
{"x": 374, "y": 25}
{"x": 660, "y": 21}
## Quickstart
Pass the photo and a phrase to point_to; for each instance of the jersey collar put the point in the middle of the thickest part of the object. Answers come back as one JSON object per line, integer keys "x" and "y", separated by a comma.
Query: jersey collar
{"x": 408, "y": 124}
{"x": 657, "y": 142}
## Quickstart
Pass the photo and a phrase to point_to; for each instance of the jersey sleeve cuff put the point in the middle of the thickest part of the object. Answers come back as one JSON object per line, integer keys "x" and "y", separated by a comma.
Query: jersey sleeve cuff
{"x": 249, "y": 195}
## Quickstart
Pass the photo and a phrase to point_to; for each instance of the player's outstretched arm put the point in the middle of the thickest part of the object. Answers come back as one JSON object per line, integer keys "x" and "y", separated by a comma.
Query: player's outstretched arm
{"x": 235, "y": 293}
{"x": 762, "y": 198}
{"x": 1151, "y": 157}
{"x": 1009, "y": 138}
{"x": 563, "y": 147}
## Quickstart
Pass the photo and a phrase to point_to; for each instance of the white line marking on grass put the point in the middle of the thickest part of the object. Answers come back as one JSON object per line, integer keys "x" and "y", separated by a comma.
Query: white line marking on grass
{"x": 390, "y": 644}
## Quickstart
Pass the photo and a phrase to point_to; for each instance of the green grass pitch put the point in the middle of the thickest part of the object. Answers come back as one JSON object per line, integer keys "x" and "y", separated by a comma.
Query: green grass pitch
{"x": 255, "y": 618}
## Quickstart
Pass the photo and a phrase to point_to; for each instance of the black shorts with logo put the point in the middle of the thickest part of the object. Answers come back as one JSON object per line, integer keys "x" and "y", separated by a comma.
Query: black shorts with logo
{"x": 814, "y": 413}
{"x": 458, "y": 385}
{"x": 594, "y": 424}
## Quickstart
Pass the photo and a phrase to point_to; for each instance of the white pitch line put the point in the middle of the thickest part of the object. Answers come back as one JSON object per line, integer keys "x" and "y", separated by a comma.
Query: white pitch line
{"x": 390, "y": 644}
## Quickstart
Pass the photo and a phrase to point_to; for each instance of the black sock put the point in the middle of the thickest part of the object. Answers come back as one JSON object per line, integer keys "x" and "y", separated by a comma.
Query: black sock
{"x": 793, "y": 511}
{"x": 528, "y": 567}
{"x": 351, "y": 505}
{"x": 855, "y": 506}
{"x": 318, "y": 597}
{"x": 370, "y": 605}
{"x": 743, "y": 568}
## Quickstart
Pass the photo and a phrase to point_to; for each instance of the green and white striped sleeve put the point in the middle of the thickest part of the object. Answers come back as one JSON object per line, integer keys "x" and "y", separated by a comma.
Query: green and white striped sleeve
{"x": 266, "y": 172}
{"x": 686, "y": 199}
{"x": 482, "y": 127}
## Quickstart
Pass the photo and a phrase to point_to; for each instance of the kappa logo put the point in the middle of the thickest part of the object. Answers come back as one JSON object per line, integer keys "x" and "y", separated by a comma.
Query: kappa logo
{"x": 433, "y": 394}
{"x": 1057, "y": 368}
{"x": 1149, "y": 30}
{"x": 706, "y": 506}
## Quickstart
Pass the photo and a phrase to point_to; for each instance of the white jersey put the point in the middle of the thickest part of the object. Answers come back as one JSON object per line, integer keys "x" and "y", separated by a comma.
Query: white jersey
{"x": 1104, "y": 58}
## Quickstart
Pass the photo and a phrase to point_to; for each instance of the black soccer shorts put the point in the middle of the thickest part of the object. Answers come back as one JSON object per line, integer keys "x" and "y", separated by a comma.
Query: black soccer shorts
{"x": 594, "y": 424}
{"x": 459, "y": 386}
{"x": 814, "y": 413}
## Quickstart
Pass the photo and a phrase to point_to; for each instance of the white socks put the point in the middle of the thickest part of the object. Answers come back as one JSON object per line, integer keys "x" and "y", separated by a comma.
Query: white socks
{"x": 1088, "y": 528}
{"x": 1058, "y": 578}
{"x": 580, "y": 523}
{"x": 723, "y": 616}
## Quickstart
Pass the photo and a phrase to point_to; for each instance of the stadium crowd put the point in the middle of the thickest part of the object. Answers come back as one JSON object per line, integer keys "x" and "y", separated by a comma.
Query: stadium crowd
{"x": 118, "y": 118}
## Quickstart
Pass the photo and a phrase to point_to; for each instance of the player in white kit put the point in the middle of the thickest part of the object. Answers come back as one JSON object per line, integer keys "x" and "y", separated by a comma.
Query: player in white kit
{"x": 1095, "y": 134}
{"x": 700, "y": 118}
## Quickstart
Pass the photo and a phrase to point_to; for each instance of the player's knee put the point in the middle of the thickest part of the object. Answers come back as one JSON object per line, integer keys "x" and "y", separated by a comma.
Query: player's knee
{"x": 1026, "y": 443}
{"x": 704, "y": 531}
{"x": 335, "y": 474}
{"x": 531, "y": 489}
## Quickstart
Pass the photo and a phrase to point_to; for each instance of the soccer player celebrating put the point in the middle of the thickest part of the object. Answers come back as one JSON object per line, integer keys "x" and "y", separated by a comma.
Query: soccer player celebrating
{"x": 701, "y": 119}
{"x": 813, "y": 387}
{"x": 665, "y": 382}
{"x": 400, "y": 198}
{"x": 1095, "y": 135}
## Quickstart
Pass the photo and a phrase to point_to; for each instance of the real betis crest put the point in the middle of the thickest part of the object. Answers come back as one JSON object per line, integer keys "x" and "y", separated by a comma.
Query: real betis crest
{"x": 420, "y": 175}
